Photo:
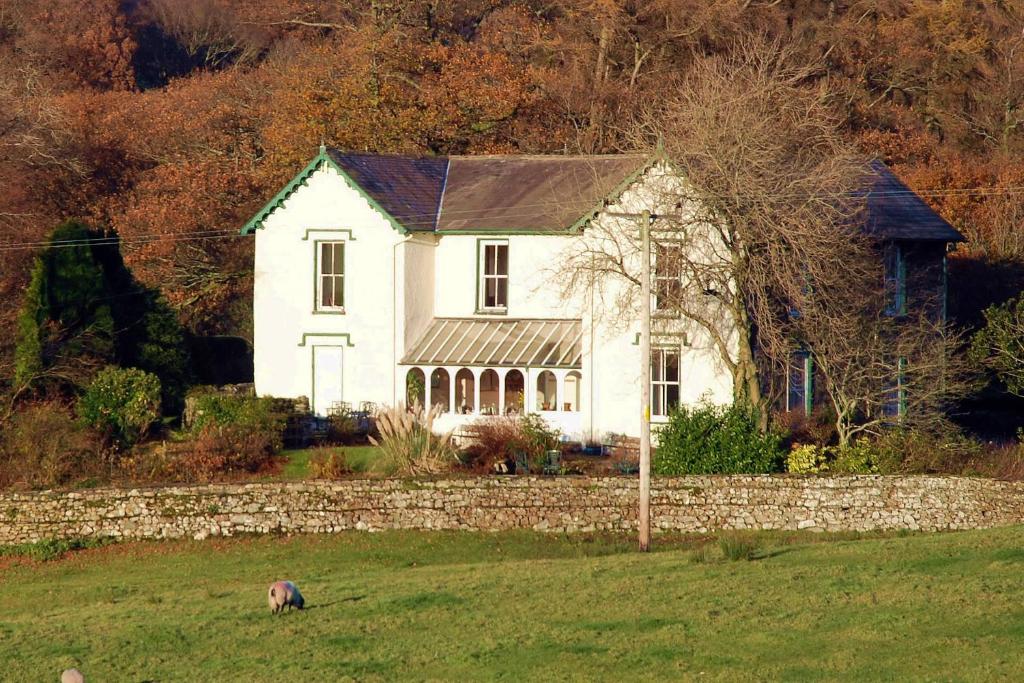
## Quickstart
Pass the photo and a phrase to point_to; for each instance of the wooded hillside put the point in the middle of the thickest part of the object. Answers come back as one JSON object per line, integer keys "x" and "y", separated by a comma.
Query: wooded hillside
{"x": 172, "y": 121}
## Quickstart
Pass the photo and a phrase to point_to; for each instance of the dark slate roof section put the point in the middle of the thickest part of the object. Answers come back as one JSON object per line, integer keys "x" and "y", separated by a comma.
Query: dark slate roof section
{"x": 530, "y": 193}
{"x": 896, "y": 213}
{"x": 408, "y": 188}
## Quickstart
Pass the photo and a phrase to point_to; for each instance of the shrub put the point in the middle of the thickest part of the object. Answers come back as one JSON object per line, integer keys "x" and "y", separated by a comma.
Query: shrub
{"x": 909, "y": 451}
{"x": 121, "y": 404}
{"x": 220, "y": 449}
{"x": 408, "y": 443}
{"x": 43, "y": 445}
{"x": 494, "y": 440}
{"x": 341, "y": 428}
{"x": 231, "y": 433}
{"x": 499, "y": 439}
{"x": 329, "y": 464}
{"x": 709, "y": 439}
{"x": 860, "y": 457}
{"x": 736, "y": 547}
{"x": 807, "y": 459}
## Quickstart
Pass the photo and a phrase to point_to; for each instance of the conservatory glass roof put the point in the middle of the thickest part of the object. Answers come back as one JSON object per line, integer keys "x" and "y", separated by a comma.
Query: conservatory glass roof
{"x": 511, "y": 343}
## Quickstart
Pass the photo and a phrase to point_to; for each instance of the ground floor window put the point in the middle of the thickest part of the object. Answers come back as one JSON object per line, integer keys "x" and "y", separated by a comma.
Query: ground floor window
{"x": 571, "y": 399}
{"x": 439, "y": 389}
{"x": 664, "y": 380}
{"x": 415, "y": 388}
{"x": 515, "y": 390}
{"x": 547, "y": 391}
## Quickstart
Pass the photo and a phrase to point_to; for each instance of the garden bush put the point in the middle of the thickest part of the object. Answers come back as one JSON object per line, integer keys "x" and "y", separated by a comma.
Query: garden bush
{"x": 807, "y": 459}
{"x": 408, "y": 443}
{"x": 861, "y": 457}
{"x": 231, "y": 433}
{"x": 329, "y": 463}
{"x": 499, "y": 439}
{"x": 121, "y": 404}
{"x": 43, "y": 445}
{"x": 709, "y": 439}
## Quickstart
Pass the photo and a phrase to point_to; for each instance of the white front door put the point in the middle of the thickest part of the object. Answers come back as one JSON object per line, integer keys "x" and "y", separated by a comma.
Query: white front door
{"x": 327, "y": 366}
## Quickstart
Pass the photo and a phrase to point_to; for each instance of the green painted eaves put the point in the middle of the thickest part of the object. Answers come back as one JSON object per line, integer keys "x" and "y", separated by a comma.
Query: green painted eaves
{"x": 617, "y": 192}
{"x": 322, "y": 158}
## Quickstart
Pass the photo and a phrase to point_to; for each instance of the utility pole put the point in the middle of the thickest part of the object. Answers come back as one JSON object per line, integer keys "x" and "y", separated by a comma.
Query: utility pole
{"x": 645, "y": 381}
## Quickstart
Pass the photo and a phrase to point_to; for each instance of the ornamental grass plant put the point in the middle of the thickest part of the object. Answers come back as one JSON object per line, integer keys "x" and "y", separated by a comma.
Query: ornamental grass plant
{"x": 408, "y": 443}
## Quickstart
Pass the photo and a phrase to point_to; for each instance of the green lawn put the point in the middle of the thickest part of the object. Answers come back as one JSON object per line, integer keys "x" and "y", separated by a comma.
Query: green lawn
{"x": 359, "y": 458}
{"x": 522, "y": 607}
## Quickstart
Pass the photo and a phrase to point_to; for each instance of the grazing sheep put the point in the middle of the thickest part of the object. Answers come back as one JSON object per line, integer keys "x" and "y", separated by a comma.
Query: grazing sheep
{"x": 72, "y": 676}
{"x": 284, "y": 594}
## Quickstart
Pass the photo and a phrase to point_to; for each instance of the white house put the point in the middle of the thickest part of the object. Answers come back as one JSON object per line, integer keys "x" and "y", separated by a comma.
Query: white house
{"x": 379, "y": 275}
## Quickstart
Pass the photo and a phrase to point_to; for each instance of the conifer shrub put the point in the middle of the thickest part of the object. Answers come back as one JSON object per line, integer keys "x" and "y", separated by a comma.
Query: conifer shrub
{"x": 710, "y": 439}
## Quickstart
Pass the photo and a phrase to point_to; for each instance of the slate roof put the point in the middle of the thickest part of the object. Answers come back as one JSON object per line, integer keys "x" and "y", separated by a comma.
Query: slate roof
{"x": 537, "y": 194}
{"x": 408, "y": 188}
{"x": 895, "y": 212}
{"x": 488, "y": 193}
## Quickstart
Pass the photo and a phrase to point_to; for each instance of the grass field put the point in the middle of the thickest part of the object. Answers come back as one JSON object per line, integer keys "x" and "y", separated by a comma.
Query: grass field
{"x": 521, "y": 606}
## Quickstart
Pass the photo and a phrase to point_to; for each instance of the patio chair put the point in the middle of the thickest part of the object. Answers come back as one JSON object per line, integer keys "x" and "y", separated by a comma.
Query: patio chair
{"x": 522, "y": 463}
{"x": 553, "y": 462}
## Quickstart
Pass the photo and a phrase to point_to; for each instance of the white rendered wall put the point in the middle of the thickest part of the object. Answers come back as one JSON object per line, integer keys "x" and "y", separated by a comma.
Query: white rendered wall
{"x": 284, "y": 293}
{"x": 437, "y": 277}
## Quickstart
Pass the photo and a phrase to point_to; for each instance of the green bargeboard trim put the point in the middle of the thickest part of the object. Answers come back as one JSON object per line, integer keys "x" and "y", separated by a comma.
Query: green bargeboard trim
{"x": 256, "y": 222}
{"x": 480, "y": 310}
{"x": 306, "y": 336}
{"x": 316, "y": 277}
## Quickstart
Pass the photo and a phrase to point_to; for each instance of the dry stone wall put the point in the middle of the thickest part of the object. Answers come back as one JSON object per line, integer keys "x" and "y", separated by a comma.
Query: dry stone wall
{"x": 569, "y": 504}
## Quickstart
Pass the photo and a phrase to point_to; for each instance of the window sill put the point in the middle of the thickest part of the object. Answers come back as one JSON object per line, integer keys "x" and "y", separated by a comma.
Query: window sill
{"x": 491, "y": 311}
{"x": 329, "y": 311}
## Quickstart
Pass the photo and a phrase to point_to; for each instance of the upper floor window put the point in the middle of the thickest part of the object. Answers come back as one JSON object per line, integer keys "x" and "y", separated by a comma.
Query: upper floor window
{"x": 668, "y": 274}
{"x": 895, "y": 280}
{"x": 330, "y": 276}
{"x": 664, "y": 380}
{"x": 493, "y": 268}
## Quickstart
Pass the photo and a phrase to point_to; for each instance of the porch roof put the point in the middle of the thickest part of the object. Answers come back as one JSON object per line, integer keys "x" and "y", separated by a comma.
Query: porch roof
{"x": 499, "y": 343}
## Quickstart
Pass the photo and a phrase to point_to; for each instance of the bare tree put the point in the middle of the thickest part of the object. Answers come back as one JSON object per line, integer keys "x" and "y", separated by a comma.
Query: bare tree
{"x": 886, "y": 357}
{"x": 759, "y": 245}
{"x": 763, "y": 215}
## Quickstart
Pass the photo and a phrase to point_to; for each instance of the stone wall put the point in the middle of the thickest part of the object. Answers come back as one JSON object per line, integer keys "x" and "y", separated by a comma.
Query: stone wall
{"x": 684, "y": 504}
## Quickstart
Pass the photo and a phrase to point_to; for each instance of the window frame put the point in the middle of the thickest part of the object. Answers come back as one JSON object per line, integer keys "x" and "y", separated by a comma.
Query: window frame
{"x": 895, "y": 279}
{"x": 807, "y": 373}
{"x": 319, "y": 275}
{"x": 482, "y": 276}
{"x": 658, "y": 308}
{"x": 659, "y": 387}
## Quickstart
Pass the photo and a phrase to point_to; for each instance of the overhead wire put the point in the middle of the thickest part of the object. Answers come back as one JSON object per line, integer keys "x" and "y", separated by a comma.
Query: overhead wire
{"x": 469, "y": 214}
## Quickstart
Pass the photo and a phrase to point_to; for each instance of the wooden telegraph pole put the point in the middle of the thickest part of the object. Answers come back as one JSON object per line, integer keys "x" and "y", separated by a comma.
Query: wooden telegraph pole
{"x": 645, "y": 381}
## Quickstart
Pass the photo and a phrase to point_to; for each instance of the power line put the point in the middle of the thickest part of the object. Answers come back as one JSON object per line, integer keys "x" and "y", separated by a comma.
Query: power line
{"x": 483, "y": 212}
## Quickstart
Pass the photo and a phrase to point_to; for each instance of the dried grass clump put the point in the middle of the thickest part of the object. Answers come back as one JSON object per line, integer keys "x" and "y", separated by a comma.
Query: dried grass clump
{"x": 408, "y": 443}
